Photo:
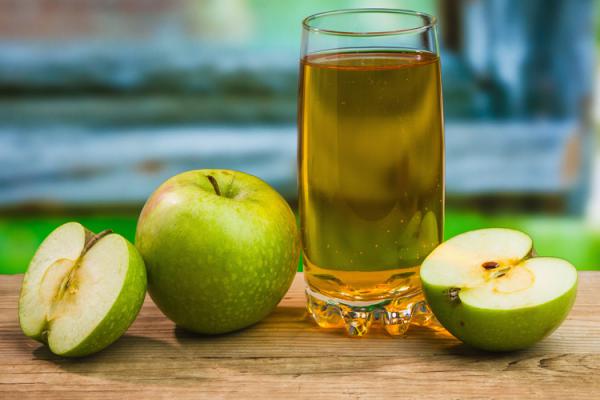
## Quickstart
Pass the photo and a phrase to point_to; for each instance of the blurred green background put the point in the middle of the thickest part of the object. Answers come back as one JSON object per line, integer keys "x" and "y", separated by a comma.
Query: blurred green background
{"x": 101, "y": 102}
{"x": 21, "y": 236}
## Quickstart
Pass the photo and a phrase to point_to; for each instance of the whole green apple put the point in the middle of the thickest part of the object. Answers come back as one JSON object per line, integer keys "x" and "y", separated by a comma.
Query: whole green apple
{"x": 221, "y": 249}
{"x": 485, "y": 287}
{"x": 81, "y": 291}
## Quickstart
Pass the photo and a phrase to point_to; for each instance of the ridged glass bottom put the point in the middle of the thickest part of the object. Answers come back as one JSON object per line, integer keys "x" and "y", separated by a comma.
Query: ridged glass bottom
{"x": 396, "y": 314}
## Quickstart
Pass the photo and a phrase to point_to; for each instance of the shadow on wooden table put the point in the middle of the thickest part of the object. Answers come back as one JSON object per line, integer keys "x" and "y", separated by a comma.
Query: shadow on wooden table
{"x": 129, "y": 348}
{"x": 133, "y": 360}
{"x": 181, "y": 359}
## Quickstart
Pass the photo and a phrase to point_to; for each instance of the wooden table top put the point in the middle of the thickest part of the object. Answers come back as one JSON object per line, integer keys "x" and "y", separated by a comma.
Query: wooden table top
{"x": 286, "y": 355}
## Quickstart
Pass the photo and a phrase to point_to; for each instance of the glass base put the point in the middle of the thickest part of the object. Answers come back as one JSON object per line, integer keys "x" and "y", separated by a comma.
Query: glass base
{"x": 395, "y": 314}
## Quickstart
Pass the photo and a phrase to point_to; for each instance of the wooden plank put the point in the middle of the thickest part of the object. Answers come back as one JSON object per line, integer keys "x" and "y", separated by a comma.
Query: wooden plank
{"x": 286, "y": 355}
{"x": 110, "y": 156}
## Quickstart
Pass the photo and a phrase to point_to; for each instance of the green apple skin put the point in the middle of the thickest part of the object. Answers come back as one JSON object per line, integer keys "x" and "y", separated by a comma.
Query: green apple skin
{"x": 498, "y": 330}
{"x": 123, "y": 312}
{"x": 217, "y": 263}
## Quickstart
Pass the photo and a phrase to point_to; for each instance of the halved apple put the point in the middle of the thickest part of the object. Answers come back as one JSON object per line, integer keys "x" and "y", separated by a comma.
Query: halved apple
{"x": 81, "y": 291}
{"x": 486, "y": 288}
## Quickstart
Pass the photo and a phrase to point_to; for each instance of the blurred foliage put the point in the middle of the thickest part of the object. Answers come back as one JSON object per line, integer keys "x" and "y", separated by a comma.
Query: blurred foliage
{"x": 20, "y": 236}
{"x": 251, "y": 25}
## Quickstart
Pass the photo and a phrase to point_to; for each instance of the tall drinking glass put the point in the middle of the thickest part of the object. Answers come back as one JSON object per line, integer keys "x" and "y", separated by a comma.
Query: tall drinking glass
{"x": 370, "y": 165}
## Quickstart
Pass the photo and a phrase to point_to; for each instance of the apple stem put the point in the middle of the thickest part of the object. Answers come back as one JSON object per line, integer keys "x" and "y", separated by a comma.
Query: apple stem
{"x": 94, "y": 239}
{"x": 214, "y": 184}
{"x": 453, "y": 294}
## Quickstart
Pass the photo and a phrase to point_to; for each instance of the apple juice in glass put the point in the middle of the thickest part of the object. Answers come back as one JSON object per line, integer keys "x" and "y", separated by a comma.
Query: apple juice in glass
{"x": 371, "y": 165}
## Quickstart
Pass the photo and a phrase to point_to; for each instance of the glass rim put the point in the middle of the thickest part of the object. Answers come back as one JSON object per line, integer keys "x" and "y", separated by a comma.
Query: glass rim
{"x": 429, "y": 21}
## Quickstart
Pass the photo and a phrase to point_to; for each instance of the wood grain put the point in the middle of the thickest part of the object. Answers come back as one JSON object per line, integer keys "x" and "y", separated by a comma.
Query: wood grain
{"x": 286, "y": 355}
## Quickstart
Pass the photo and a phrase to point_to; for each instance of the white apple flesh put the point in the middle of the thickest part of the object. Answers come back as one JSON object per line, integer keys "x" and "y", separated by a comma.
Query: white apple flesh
{"x": 486, "y": 289}
{"x": 81, "y": 291}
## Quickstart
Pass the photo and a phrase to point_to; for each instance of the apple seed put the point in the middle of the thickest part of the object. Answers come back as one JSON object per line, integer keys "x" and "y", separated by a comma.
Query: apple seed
{"x": 490, "y": 265}
{"x": 500, "y": 273}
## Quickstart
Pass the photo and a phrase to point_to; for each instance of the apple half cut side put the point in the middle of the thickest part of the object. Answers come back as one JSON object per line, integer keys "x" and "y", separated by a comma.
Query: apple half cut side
{"x": 486, "y": 288}
{"x": 81, "y": 291}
